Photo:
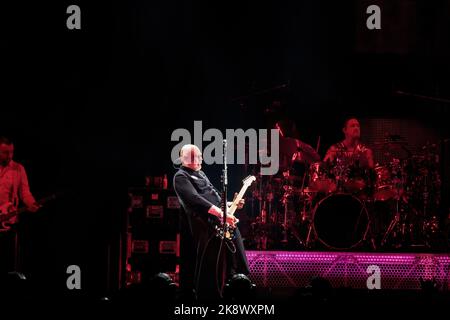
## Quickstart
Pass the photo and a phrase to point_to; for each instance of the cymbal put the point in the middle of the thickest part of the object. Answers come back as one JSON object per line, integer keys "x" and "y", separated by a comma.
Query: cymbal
{"x": 297, "y": 150}
{"x": 307, "y": 153}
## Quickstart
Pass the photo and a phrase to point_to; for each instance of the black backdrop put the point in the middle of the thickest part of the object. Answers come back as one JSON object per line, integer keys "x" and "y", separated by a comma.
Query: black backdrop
{"x": 91, "y": 111}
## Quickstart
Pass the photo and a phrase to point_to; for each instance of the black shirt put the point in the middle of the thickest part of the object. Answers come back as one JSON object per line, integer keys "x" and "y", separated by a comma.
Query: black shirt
{"x": 195, "y": 192}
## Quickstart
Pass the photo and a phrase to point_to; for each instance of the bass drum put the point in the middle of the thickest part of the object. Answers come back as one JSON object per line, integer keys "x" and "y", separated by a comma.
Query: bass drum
{"x": 340, "y": 221}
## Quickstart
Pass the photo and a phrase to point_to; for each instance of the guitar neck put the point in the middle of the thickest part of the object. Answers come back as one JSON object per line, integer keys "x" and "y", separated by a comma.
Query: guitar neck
{"x": 238, "y": 198}
{"x": 7, "y": 216}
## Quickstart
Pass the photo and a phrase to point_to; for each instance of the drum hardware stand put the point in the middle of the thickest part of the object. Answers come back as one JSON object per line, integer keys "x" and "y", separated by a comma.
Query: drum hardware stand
{"x": 308, "y": 240}
{"x": 261, "y": 219}
{"x": 285, "y": 222}
{"x": 309, "y": 235}
{"x": 263, "y": 237}
{"x": 271, "y": 215}
{"x": 425, "y": 196}
{"x": 304, "y": 216}
{"x": 426, "y": 219}
{"x": 373, "y": 242}
{"x": 394, "y": 222}
{"x": 264, "y": 213}
{"x": 297, "y": 236}
{"x": 372, "y": 239}
{"x": 397, "y": 217}
{"x": 307, "y": 243}
{"x": 284, "y": 200}
{"x": 370, "y": 230}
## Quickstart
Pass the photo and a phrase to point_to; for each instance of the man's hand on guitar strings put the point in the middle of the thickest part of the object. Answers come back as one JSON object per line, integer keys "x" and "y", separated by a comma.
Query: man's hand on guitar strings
{"x": 216, "y": 211}
{"x": 232, "y": 220}
{"x": 241, "y": 202}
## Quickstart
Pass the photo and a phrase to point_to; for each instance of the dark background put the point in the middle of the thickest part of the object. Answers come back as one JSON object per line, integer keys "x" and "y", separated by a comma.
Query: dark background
{"x": 91, "y": 111}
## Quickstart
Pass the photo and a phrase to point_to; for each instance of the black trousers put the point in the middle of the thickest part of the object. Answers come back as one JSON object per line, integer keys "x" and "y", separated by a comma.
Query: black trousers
{"x": 9, "y": 251}
{"x": 204, "y": 271}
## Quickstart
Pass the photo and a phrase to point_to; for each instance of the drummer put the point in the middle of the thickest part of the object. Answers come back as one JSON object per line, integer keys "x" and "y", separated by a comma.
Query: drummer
{"x": 351, "y": 150}
{"x": 352, "y": 161}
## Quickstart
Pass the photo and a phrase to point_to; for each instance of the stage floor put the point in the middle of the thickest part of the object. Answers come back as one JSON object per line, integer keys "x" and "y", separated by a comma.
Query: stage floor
{"x": 296, "y": 269}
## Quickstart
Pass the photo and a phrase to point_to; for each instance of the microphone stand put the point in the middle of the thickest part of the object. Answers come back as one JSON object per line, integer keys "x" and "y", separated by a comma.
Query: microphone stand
{"x": 224, "y": 221}
{"x": 224, "y": 186}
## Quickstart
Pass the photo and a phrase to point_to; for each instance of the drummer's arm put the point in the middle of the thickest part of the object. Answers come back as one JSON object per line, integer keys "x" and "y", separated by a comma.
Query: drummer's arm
{"x": 329, "y": 157}
{"x": 370, "y": 161}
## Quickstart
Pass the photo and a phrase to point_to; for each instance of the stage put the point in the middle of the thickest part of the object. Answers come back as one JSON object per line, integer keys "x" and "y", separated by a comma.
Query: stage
{"x": 404, "y": 271}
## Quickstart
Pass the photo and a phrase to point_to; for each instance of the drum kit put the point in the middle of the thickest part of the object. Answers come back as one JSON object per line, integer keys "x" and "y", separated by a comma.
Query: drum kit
{"x": 312, "y": 204}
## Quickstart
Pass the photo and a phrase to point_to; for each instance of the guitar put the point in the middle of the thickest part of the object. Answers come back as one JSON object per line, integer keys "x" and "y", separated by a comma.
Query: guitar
{"x": 6, "y": 215}
{"x": 228, "y": 231}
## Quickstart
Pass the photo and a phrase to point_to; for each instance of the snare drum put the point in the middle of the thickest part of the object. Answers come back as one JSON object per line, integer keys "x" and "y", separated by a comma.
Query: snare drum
{"x": 320, "y": 178}
{"x": 356, "y": 179}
